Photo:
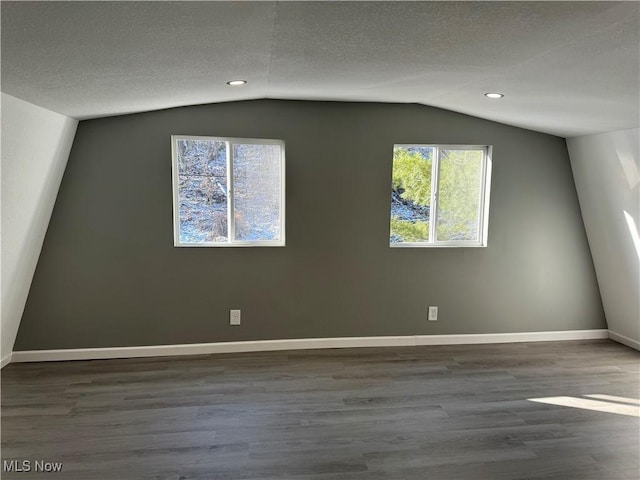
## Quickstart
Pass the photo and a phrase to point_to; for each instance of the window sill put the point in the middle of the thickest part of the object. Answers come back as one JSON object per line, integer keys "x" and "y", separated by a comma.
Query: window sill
{"x": 437, "y": 245}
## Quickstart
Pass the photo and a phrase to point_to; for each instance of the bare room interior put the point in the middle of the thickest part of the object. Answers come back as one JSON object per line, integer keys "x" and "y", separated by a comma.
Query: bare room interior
{"x": 291, "y": 240}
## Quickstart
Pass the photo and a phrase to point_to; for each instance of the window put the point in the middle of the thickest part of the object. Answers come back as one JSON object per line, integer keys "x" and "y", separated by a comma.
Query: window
{"x": 227, "y": 192}
{"x": 440, "y": 196}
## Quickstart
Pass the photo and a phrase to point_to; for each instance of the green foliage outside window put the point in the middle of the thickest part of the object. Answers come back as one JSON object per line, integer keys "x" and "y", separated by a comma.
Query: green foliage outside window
{"x": 417, "y": 231}
{"x": 412, "y": 175}
{"x": 458, "y": 200}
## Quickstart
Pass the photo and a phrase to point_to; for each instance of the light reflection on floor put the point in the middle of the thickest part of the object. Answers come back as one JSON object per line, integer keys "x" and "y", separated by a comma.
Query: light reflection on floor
{"x": 612, "y": 398}
{"x": 604, "y": 403}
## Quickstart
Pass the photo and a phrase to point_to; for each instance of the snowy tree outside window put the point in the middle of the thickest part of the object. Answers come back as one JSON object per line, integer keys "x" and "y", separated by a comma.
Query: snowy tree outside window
{"x": 228, "y": 191}
{"x": 440, "y": 196}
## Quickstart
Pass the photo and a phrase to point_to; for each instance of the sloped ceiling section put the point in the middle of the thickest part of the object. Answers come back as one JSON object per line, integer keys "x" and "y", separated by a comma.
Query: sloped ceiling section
{"x": 566, "y": 68}
{"x": 35, "y": 148}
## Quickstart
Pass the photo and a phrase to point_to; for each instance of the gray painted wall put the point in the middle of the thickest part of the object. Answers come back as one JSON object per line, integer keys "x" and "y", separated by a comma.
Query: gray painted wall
{"x": 109, "y": 275}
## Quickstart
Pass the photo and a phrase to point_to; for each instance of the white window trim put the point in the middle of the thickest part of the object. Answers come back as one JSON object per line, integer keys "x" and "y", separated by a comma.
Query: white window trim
{"x": 483, "y": 207}
{"x": 231, "y": 242}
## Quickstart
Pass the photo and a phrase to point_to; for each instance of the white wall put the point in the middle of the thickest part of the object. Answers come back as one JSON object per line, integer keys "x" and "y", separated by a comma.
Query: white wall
{"x": 35, "y": 146}
{"x": 606, "y": 170}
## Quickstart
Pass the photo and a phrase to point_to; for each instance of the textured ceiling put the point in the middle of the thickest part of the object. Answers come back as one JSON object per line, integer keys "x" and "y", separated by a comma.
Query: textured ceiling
{"x": 566, "y": 68}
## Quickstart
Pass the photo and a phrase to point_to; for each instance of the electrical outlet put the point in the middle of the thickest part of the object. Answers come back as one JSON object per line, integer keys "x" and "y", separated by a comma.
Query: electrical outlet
{"x": 433, "y": 314}
{"x": 234, "y": 317}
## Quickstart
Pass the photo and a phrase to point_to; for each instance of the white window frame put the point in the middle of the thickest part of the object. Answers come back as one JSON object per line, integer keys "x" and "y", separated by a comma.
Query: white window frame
{"x": 483, "y": 206}
{"x": 231, "y": 241}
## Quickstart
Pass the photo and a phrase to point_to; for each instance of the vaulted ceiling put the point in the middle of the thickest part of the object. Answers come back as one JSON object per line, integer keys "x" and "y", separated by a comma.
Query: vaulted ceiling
{"x": 565, "y": 68}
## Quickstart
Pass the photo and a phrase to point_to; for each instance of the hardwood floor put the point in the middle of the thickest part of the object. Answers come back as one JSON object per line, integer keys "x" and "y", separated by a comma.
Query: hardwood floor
{"x": 439, "y": 412}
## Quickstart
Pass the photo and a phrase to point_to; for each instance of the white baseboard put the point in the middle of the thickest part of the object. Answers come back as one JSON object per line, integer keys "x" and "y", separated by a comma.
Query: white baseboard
{"x": 629, "y": 342}
{"x": 300, "y": 344}
{"x": 6, "y": 360}
{"x": 476, "y": 338}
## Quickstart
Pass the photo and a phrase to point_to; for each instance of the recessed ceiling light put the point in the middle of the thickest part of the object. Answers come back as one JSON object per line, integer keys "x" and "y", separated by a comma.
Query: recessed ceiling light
{"x": 236, "y": 83}
{"x": 494, "y": 95}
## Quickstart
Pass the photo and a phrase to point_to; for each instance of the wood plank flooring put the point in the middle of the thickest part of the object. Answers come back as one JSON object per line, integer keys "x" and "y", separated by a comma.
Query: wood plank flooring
{"x": 438, "y": 412}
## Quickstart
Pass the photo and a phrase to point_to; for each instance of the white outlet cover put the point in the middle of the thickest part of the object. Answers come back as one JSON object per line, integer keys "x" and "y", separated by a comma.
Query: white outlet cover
{"x": 433, "y": 314}
{"x": 234, "y": 317}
